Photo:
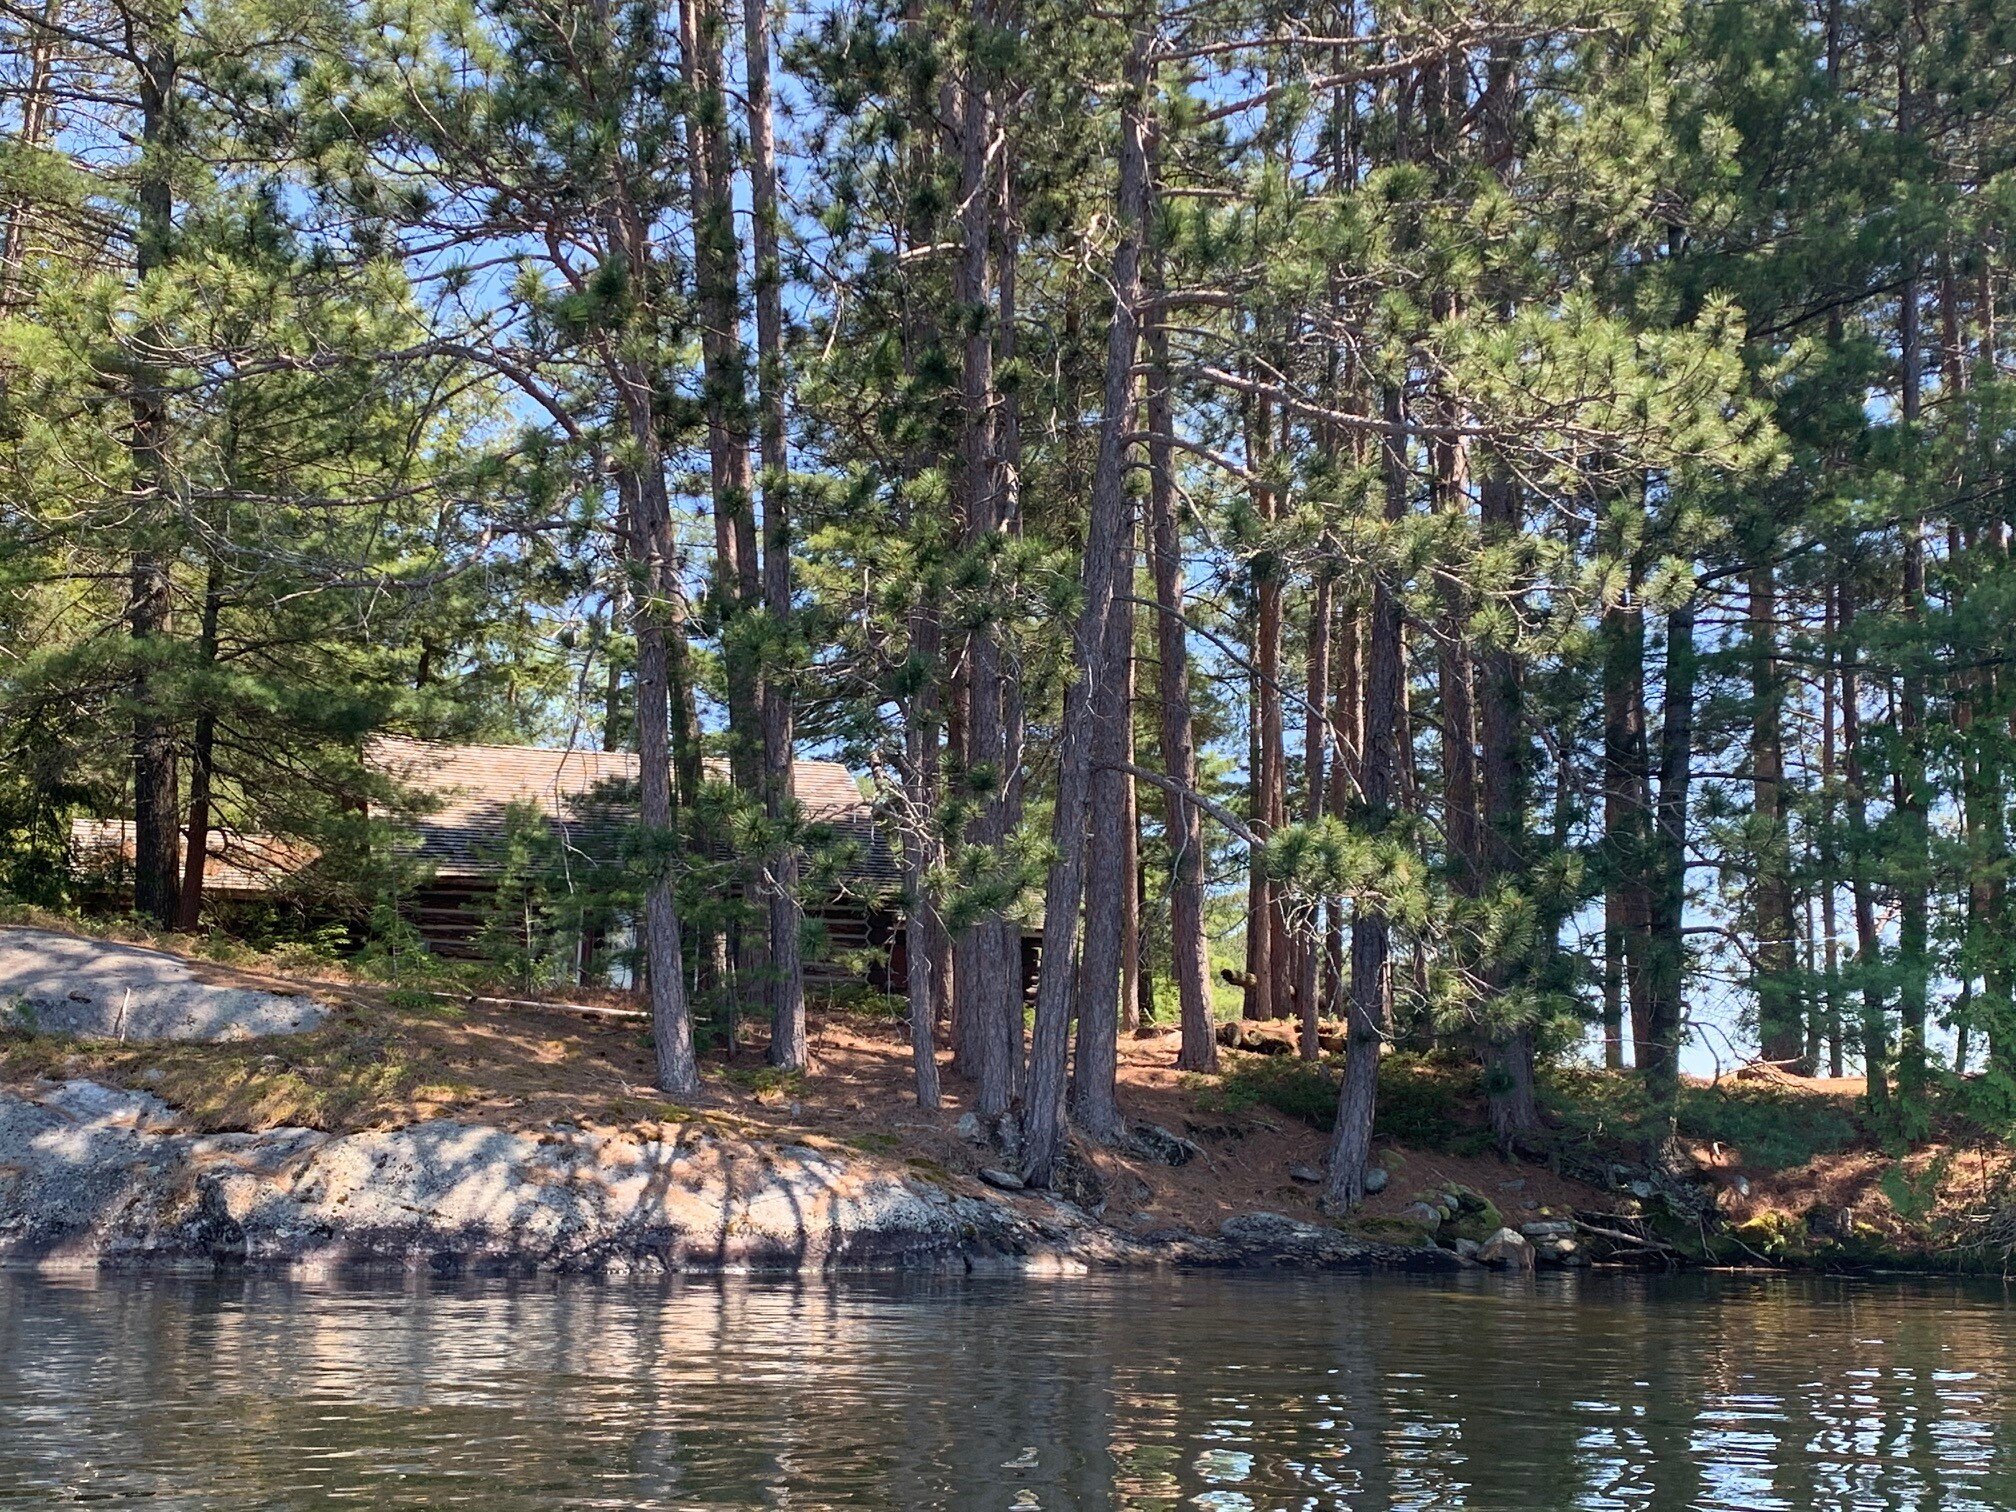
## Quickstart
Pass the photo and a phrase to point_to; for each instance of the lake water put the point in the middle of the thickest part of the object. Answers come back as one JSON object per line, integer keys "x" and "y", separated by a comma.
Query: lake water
{"x": 1139, "y": 1391}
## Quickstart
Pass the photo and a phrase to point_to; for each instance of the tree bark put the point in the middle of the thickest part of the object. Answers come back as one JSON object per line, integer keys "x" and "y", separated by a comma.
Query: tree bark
{"x": 1780, "y": 1025}
{"x": 1315, "y": 747}
{"x": 1351, "y": 1142}
{"x": 1109, "y": 883}
{"x": 1625, "y": 801}
{"x": 157, "y": 813}
{"x": 202, "y": 758}
{"x": 1089, "y": 690}
{"x": 654, "y": 585}
{"x": 786, "y": 915}
{"x": 1507, "y": 1051}
{"x": 987, "y": 957}
{"x": 1666, "y": 955}
{"x": 1914, "y": 868}
{"x": 1868, "y": 941}
{"x": 37, "y": 121}
{"x": 1189, "y": 949}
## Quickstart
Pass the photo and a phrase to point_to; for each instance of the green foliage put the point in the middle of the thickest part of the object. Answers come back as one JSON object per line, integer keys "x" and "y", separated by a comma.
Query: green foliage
{"x": 1426, "y": 1103}
{"x": 1914, "y": 1197}
{"x": 1767, "y": 1126}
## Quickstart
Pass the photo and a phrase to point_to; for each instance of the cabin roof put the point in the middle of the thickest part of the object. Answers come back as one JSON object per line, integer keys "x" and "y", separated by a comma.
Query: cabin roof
{"x": 465, "y": 794}
{"x": 469, "y": 791}
{"x": 237, "y": 863}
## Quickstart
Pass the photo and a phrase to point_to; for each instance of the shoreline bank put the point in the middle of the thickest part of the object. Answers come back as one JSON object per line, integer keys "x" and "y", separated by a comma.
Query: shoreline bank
{"x": 97, "y": 1176}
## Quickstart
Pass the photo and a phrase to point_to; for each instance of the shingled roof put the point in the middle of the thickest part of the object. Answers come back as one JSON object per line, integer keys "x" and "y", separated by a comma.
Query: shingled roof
{"x": 237, "y": 863}
{"x": 469, "y": 790}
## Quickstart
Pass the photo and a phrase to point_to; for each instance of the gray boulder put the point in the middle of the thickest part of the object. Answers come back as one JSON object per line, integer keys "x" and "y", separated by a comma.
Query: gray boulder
{"x": 1428, "y": 1216}
{"x": 1548, "y": 1228}
{"x": 1508, "y": 1248}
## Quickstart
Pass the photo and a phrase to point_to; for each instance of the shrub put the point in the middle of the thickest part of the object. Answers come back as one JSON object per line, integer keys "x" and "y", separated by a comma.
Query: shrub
{"x": 1423, "y": 1102}
{"x": 1771, "y": 1127}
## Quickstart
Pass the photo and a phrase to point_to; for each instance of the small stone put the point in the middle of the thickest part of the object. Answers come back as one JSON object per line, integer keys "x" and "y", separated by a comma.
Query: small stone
{"x": 1642, "y": 1190}
{"x": 1466, "y": 1249}
{"x": 1513, "y": 1186}
{"x": 969, "y": 1129}
{"x": 1430, "y": 1218}
{"x": 1307, "y": 1174}
{"x": 1007, "y": 1181}
{"x": 1375, "y": 1180}
{"x": 1549, "y": 1228}
{"x": 1507, "y": 1247}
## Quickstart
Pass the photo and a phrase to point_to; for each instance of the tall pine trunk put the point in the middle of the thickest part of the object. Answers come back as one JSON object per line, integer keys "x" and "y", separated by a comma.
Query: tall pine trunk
{"x": 1626, "y": 826}
{"x": 1508, "y": 1051}
{"x": 1189, "y": 948}
{"x": 1109, "y": 880}
{"x": 156, "y": 785}
{"x": 1351, "y": 1142}
{"x": 1868, "y": 940}
{"x": 788, "y": 1046}
{"x": 1780, "y": 1024}
{"x": 1315, "y": 747}
{"x": 1092, "y": 686}
{"x": 202, "y": 757}
{"x": 1665, "y": 938}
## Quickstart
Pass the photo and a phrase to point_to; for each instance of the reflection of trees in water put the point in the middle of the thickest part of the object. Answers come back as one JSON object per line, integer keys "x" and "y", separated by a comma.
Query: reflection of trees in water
{"x": 1128, "y": 1393}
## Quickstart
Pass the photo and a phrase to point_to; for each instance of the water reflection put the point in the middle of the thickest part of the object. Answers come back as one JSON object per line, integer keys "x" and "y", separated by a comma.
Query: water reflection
{"x": 1131, "y": 1393}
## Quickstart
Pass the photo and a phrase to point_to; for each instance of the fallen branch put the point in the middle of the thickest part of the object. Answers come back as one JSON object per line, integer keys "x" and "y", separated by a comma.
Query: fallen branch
{"x": 1619, "y": 1236}
{"x": 592, "y": 1009}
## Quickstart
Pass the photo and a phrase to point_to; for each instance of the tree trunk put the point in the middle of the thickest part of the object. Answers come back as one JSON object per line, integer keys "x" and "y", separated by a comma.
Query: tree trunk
{"x": 1109, "y": 879}
{"x": 1780, "y": 1025}
{"x": 1828, "y": 849}
{"x": 786, "y": 913}
{"x": 1868, "y": 941}
{"x": 1914, "y": 868}
{"x": 1351, "y": 1143}
{"x": 1315, "y": 746}
{"x": 1346, "y": 720}
{"x": 1666, "y": 954}
{"x": 654, "y": 584}
{"x": 1189, "y": 949}
{"x": 987, "y": 958}
{"x": 1626, "y": 904}
{"x": 1508, "y": 1051}
{"x": 1133, "y": 978}
{"x": 1089, "y": 691}
{"x": 157, "y": 813}
{"x": 37, "y": 120}
{"x": 736, "y": 583}
{"x": 202, "y": 758}
{"x": 921, "y": 978}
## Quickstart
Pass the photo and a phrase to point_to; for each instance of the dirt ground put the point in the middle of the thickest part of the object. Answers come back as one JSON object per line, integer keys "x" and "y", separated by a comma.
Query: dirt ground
{"x": 386, "y": 1058}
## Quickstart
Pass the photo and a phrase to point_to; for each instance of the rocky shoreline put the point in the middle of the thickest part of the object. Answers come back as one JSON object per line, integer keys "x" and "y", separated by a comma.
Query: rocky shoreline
{"x": 95, "y": 1176}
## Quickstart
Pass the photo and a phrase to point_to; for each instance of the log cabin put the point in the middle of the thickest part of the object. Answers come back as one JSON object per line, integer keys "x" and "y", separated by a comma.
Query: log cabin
{"x": 453, "y": 832}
